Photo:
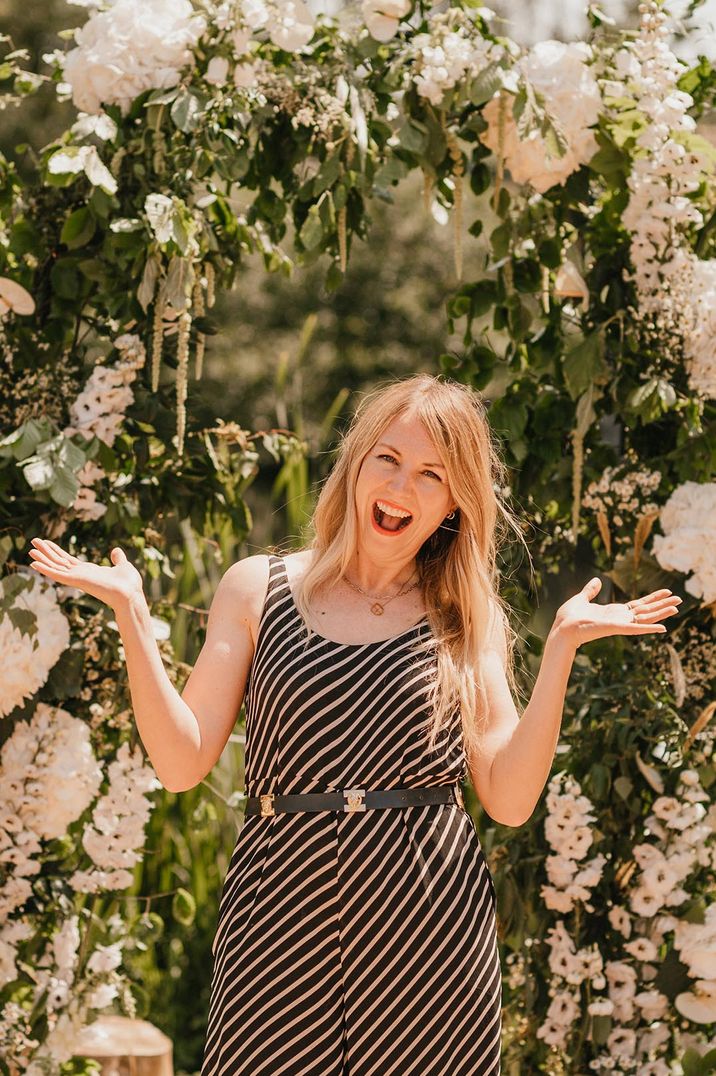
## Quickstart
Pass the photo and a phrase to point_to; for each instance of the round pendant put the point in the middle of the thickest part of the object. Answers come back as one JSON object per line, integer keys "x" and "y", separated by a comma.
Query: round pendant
{"x": 377, "y": 609}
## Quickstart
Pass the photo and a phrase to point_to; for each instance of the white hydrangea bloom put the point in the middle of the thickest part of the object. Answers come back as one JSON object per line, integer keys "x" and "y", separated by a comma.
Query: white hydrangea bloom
{"x": 50, "y": 775}
{"x": 133, "y": 46}
{"x": 562, "y": 74}
{"x": 688, "y": 544}
{"x": 99, "y": 409}
{"x": 291, "y": 24}
{"x": 28, "y": 659}
{"x": 115, "y": 837}
{"x": 452, "y": 50}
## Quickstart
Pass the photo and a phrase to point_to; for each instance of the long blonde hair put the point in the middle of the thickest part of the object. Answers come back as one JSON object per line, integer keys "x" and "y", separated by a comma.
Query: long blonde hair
{"x": 456, "y": 564}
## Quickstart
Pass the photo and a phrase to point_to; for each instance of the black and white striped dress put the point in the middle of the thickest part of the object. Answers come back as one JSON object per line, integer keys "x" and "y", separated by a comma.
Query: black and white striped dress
{"x": 351, "y": 944}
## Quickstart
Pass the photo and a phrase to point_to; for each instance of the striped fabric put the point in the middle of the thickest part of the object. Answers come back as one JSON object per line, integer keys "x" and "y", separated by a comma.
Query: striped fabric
{"x": 351, "y": 944}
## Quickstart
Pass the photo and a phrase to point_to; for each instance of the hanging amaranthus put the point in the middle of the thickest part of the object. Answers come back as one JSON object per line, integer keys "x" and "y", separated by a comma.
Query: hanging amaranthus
{"x": 157, "y": 340}
{"x": 545, "y": 289}
{"x": 343, "y": 214}
{"x": 210, "y": 275}
{"x": 578, "y": 436}
{"x": 182, "y": 371}
{"x": 458, "y": 169}
{"x": 500, "y": 163}
{"x": 428, "y": 183}
{"x": 198, "y": 310}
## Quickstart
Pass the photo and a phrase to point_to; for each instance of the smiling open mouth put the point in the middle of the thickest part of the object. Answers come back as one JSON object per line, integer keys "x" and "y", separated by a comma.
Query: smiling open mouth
{"x": 390, "y": 524}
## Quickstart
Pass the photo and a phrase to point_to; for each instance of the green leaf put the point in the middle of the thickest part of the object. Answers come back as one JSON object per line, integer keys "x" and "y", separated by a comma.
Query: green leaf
{"x": 483, "y": 296}
{"x": 176, "y": 287}
{"x": 624, "y": 787}
{"x": 65, "y": 679}
{"x": 601, "y": 1029}
{"x": 6, "y": 547}
{"x": 328, "y": 174}
{"x": 414, "y": 137}
{"x": 584, "y": 363}
{"x": 184, "y": 907}
{"x": 24, "y": 620}
{"x": 161, "y": 97}
{"x": 23, "y": 441}
{"x": 608, "y": 161}
{"x": 486, "y": 84}
{"x": 311, "y": 232}
{"x": 186, "y": 111}
{"x": 480, "y": 178}
{"x": 78, "y": 228}
{"x": 549, "y": 253}
{"x": 39, "y": 473}
{"x": 148, "y": 286}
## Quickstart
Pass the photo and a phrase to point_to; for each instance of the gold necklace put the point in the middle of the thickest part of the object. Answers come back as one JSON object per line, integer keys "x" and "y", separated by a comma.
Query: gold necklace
{"x": 379, "y": 605}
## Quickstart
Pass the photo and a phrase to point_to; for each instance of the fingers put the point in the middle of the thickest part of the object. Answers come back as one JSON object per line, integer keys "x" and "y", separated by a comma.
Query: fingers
{"x": 53, "y": 552}
{"x": 51, "y": 570}
{"x": 655, "y": 596}
{"x": 662, "y": 607}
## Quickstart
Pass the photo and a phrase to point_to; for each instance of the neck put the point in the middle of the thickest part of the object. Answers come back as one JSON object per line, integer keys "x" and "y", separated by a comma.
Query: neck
{"x": 380, "y": 578}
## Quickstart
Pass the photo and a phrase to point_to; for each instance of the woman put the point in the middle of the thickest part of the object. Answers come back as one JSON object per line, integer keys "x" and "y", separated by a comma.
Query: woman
{"x": 356, "y": 930}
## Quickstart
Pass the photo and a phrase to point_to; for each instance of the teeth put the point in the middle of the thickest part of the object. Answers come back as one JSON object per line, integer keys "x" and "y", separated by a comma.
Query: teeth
{"x": 392, "y": 511}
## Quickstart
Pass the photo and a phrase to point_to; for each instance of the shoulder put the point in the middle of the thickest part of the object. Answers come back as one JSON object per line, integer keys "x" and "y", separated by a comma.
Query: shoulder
{"x": 242, "y": 590}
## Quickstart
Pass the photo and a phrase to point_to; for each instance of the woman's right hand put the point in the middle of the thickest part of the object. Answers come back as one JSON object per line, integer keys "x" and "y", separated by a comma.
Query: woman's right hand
{"x": 115, "y": 585}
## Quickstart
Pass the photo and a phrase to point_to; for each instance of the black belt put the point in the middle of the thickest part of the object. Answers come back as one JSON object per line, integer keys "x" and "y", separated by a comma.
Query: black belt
{"x": 353, "y": 799}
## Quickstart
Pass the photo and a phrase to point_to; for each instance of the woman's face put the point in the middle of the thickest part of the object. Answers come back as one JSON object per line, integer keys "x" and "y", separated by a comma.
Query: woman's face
{"x": 403, "y": 471}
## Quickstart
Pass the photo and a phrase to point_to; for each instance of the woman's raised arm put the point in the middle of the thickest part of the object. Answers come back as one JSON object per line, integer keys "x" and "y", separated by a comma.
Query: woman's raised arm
{"x": 185, "y": 734}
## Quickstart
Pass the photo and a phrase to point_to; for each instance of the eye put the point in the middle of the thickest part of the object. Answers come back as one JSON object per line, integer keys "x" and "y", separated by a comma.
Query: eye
{"x": 387, "y": 456}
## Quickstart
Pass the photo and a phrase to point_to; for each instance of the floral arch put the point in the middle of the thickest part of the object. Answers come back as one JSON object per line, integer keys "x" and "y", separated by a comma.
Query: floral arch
{"x": 595, "y": 307}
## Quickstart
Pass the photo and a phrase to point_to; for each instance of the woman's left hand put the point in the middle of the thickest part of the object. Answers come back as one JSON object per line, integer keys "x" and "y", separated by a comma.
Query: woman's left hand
{"x": 581, "y": 620}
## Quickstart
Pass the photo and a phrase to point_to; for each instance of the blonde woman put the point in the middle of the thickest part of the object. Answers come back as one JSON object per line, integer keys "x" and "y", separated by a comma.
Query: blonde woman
{"x": 356, "y": 931}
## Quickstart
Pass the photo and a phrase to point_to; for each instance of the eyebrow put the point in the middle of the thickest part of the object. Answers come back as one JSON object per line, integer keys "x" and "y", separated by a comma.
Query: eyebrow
{"x": 397, "y": 452}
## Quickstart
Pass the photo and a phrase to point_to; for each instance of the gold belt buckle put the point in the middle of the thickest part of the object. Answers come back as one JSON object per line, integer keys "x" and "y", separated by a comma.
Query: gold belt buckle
{"x": 267, "y": 804}
{"x": 354, "y": 799}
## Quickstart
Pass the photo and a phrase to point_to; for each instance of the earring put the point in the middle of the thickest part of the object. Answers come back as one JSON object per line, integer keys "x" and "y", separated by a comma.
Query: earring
{"x": 450, "y": 515}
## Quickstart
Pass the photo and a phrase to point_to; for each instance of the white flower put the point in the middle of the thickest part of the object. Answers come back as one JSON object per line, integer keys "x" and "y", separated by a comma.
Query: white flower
{"x": 255, "y": 13}
{"x": 701, "y": 339}
{"x": 101, "y": 125}
{"x": 569, "y": 283}
{"x": 382, "y": 17}
{"x": 115, "y": 836}
{"x": 83, "y": 159}
{"x": 133, "y": 46}
{"x": 160, "y": 212}
{"x": 217, "y": 71}
{"x": 65, "y": 944}
{"x": 562, "y": 75}
{"x": 700, "y": 1007}
{"x": 86, "y": 506}
{"x": 452, "y": 50}
{"x": 241, "y": 39}
{"x": 105, "y": 958}
{"x": 14, "y": 297}
{"x": 291, "y": 25}
{"x": 102, "y": 996}
{"x": 28, "y": 659}
{"x": 688, "y": 544}
{"x": 244, "y": 76}
{"x": 49, "y": 772}
{"x": 99, "y": 409}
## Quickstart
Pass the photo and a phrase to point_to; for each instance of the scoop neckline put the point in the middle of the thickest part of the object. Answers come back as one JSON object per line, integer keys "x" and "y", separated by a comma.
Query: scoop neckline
{"x": 336, "y": 642}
